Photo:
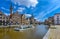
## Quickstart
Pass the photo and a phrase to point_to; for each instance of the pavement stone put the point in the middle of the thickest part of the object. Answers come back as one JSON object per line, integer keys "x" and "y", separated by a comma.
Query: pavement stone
{"x": 53, "y": 33}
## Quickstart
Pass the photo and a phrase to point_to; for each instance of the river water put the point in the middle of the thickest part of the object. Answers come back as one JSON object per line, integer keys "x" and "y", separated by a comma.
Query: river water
{"x": 37, "y": 33}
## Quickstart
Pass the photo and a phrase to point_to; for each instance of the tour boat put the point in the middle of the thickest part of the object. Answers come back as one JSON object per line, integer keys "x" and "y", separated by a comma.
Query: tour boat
{"x": 24, "y": 27}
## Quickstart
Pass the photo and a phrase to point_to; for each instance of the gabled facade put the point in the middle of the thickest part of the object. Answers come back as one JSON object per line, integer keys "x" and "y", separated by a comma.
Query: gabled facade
{"x": 3, "y": 19}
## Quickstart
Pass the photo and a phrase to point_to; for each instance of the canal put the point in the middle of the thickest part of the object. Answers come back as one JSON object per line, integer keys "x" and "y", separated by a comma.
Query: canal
{"x": 37, "y": 33}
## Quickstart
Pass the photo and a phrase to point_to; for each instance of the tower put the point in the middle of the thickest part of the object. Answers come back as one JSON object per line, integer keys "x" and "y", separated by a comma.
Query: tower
{"x": 11, "y": 9}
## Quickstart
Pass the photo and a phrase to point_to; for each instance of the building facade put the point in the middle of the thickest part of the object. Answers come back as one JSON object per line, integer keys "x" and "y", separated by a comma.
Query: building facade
{"x": 51, "y": 20}
{"x": 15, "y": 18}
{"x": 57, "y": 19}
{"x": 46, "y": 21}
{"x": 3, "y": 19}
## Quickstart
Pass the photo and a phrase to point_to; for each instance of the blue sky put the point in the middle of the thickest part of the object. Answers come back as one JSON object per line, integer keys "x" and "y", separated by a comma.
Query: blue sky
{"x": 41, "y": 9}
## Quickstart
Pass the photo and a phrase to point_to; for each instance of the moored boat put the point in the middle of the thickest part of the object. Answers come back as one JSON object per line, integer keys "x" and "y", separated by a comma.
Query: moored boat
{"x": 24, "y": 27}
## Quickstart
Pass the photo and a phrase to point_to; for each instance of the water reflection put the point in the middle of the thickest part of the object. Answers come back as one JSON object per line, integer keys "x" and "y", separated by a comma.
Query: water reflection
{"x": 37, "y": 33}
{"x": 41, "y": 31}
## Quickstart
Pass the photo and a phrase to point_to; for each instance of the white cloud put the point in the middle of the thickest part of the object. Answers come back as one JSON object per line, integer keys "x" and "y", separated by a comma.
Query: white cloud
{"x": 27, "y": 3}
{"x": 28, "y": 15}
{"x": 14, "y": 7}
{"x": 43, "y": 14}
{"x": 56, "y": 6}
{"x": 48, "y": 12}
{"x": 20, "y": 9}
{"x": 35, "y": 18}
{"x": 51, "y": 8}
{"x": 6, "y": 14}
{"x": 4, "y": 8}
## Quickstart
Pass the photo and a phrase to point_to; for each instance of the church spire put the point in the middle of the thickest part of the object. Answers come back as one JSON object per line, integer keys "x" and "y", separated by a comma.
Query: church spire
{"x": 11, "y": 8}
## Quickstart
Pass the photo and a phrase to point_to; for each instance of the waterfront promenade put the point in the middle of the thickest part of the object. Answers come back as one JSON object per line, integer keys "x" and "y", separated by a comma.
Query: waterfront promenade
{"x": 53, "y": 32}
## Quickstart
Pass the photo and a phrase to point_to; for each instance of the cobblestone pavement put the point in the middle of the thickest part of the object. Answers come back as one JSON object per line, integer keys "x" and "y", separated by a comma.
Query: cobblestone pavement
{"x": 53, "y": 32}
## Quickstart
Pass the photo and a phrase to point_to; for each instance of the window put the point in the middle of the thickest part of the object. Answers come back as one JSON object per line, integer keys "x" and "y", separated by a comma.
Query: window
{"x": 0, "y": 17}
{"x": 0, "y": 14}
{"x": 57, "y": 19}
